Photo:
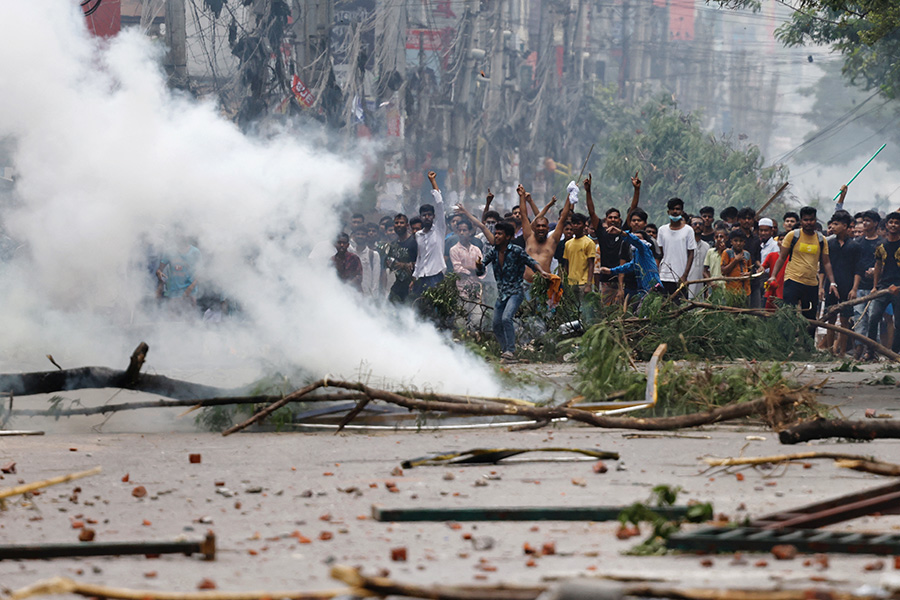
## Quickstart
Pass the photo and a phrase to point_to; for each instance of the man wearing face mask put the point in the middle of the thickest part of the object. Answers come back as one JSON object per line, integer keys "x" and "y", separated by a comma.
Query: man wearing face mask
{"x": 676, "y": 240}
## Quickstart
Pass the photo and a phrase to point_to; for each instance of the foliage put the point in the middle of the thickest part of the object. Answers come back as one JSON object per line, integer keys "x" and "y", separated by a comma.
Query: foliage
{"x": 706, "y": 334}
{"x": 442, "y": 303}
{"x": 866, "y": 32}
{"x": 675, "y": 157}
{"x": 661, "y": 496}
{"x": 219, "y": 418}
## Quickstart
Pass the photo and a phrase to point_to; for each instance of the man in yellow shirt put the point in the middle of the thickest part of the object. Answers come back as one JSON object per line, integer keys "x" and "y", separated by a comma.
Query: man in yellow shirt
{"x": 579, "y": 255}
{"x": 807, "y": 249}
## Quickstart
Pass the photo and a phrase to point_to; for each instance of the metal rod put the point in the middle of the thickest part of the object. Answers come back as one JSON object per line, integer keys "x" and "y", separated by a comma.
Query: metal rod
{"x": 206, "y": 547}
{"x": 522, "y": 513}
{"x": 861, "y": 170}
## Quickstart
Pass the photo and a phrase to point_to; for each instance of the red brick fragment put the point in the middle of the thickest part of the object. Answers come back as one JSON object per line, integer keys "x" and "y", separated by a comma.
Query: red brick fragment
{"x": 325, "y": 535}
{"x": 531, "y": 563}
{"x": 206, "y": 584}
{"x": 784, "y": 552}
{"x": 761, "y": 563}
{"x": 139, "y": 492}
{"x": 877, "y": 565}
{"x": 150, "y": 574}
{"x": 194, "y": 459}
{"x": 397, "y": 472}
{"x": 86, "y": 535}
{"x": 897, "y": 562}
{"x": 548, "y": 549}
{"x": 398, "y": 554}
{"x": 125, "y": 479}
{"x": 600, "y": 467}
{"x": 528, "y": 548}
{"x": 9, "y": 468}
{"x": 707, "y": 562}
{"x": 739, "y": 476}
{"x": 77, "y": 524}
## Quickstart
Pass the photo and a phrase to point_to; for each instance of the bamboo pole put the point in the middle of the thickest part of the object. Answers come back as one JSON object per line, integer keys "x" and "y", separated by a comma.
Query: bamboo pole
{"x": 772, "y": 199}
{"x": 779, "y": 458}
{"x": 36, "y": 485}
{"x": 64, "y": 585}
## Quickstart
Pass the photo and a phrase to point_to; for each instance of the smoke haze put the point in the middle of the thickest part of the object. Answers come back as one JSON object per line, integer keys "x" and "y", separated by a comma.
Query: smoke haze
{"x": 110, "y": 164}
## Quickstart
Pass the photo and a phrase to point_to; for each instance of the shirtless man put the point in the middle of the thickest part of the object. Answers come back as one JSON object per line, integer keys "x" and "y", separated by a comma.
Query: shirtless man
{"x": 540, "y": 244}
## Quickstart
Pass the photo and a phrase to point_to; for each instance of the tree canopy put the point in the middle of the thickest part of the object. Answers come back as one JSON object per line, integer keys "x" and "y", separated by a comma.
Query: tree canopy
{"x": 866, "y": 32}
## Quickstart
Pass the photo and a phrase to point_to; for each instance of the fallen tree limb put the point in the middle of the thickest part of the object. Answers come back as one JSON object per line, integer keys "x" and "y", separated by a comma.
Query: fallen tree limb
{"x": 852, "y": 302}
{"x": 876, "y": 467}
{"x": 785, "y": 399}
{"x": 110, "y": 408}
{"x": 817, "y": 429}
{"x": 726, "y": 594}
{"x": 780, "y": 458}
{"x": 859, "y": 338}
{"x": 36, "y": 485}
{"x": 63, "y": 585}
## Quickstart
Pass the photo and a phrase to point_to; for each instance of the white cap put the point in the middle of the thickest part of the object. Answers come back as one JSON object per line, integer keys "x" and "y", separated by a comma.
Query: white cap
{"x": 766, "y": 222}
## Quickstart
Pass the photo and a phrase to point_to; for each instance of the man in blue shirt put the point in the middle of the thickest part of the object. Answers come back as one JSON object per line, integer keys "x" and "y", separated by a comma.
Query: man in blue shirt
{"x": 642, "y": 265}
{"x": 509, "y": 267}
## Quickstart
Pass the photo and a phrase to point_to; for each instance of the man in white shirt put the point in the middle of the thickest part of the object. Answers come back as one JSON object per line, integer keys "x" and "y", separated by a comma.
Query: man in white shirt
{"x": 676, "y": 240}
{"x": 430, "y": 262}
{"x": 370, "y": 258}
{"x": 767, "y": 243}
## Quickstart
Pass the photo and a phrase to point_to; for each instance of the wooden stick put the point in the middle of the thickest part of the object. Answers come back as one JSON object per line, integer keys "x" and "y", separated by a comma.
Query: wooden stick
{"x": 772, "y": 199}
{"x": 292, "y": 397}
{"x": 712, "y": 279}
{"x": 780, "y": 458}
{"x": 36, "y": 485}
{"x": 63, "y": 585}
{"x": 842, "y": 305}
{"x": 875, "y": 467}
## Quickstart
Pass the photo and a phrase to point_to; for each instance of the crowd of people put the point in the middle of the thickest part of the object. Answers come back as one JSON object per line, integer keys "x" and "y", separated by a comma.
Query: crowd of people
{"x": 754, "y": 262}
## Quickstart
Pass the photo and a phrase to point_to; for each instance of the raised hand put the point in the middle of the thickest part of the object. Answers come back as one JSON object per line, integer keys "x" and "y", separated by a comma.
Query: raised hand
{"x": 635, "y": 181}
{"x": 587, "y": 182}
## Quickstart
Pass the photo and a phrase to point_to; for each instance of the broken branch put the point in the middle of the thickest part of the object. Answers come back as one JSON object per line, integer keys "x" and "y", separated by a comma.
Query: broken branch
{"x": 817, "y": 429}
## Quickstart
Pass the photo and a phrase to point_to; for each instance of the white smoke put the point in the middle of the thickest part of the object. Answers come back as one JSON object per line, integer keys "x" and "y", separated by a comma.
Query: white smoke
{"x": 109, "y": 162}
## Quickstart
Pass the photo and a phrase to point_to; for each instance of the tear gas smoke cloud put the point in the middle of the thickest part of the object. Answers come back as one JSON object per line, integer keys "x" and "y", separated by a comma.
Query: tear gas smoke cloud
{"x": 109, "y": 163}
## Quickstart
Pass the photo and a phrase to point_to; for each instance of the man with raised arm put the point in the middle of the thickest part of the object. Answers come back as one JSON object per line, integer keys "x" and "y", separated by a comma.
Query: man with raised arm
{"x": 612, "y": 287}
{"x": 509, "y": 265}
{"x": 430, "y": 263}
{"x": 540, "y": 242}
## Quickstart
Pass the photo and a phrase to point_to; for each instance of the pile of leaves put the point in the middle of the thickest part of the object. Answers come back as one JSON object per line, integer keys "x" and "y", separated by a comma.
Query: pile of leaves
{"x": 662, "y": 528}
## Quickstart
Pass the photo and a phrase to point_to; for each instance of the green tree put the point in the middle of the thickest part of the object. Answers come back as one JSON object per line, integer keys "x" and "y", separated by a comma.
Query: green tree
{"x": 866, "y": 32}
{"x": 675, "y": 157}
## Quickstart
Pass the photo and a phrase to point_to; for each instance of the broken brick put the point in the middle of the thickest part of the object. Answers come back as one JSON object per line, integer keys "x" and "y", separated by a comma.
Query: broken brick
{"x": 150, "y": 574}
{"x": 398, "y": 554}
{"x": 784, "y": 551}
{"x": 548, "y": 549}
{"x": 761, "y": 563}
{"x": 600, "y": 467}
{"x": 528, "y": 549}
{"x": 139, "y": 492}
{"x": 531, "y": 563}
{"x": 194, "y": 459}
{"x": 325, "y": 535}
{"x": 206, "y": 584}
{"x": 397, "y": 472}
{"x": 86, "y": 535}
{"x": 9, "y": 468}
{"x": 707, "y": 562}
{"x": 739, "y": 476}
{"x": 877, "y": 565}
{"x": 125, "y": 479}
{"x": 77, "y": 524}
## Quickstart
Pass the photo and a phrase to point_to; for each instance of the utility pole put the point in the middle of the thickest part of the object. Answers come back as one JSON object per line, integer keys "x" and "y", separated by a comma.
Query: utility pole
{"x": 176, "y": 40}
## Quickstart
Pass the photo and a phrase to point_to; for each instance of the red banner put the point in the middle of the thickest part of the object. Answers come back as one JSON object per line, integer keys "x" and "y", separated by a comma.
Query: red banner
{"x": 302, "y": 93}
